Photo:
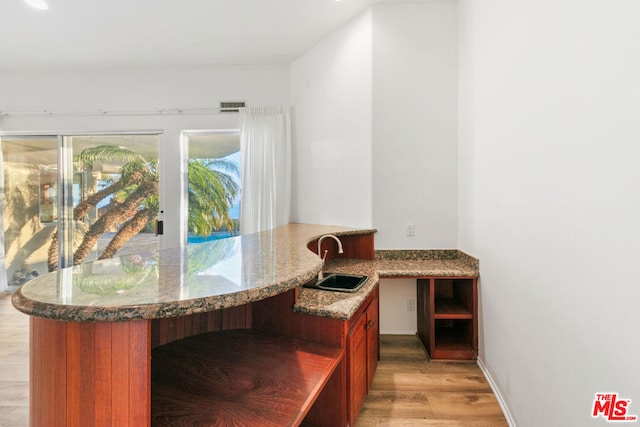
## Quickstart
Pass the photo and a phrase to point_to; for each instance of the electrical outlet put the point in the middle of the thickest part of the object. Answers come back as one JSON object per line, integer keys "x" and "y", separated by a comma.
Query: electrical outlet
{"x": 411, "y": 230}
{"x": 411, "y": 305}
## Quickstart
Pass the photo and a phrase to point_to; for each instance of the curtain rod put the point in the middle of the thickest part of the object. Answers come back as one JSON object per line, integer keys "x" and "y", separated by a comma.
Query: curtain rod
{"x": 101, "y": 112}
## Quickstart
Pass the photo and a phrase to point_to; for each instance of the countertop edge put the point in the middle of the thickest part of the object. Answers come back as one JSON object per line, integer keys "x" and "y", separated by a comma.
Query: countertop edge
{"x": 123, "y": 313}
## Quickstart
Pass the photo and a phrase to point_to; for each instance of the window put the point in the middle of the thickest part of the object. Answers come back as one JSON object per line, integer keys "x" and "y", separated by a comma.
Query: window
{"x": 214, "y": 185}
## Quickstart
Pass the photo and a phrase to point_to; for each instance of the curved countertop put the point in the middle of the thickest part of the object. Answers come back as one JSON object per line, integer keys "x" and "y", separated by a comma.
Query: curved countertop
{"x": 179, "y": 281}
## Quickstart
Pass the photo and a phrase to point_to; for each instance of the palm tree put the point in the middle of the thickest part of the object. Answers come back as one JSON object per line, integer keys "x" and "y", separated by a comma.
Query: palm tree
{"x": 133, "y": 200}
{"x": 210, "y": 199}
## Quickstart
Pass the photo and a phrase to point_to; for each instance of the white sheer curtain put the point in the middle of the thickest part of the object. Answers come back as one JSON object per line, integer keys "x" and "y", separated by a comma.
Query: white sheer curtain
{"x": 265, "y": 147}
{"x": 3, "y": 270}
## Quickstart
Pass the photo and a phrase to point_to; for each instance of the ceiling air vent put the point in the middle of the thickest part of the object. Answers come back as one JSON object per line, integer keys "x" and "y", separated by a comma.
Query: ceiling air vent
{"x": 231, "y": 106}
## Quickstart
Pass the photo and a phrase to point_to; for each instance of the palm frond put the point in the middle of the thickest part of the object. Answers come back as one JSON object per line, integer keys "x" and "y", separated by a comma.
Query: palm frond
{"x": 102, "y": 153}
{"x": 222, "y": 165}
{"x": 211, "y": 193}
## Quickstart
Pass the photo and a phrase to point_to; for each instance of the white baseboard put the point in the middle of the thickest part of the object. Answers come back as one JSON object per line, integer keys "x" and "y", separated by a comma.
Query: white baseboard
{"x": 496, "y": 391}
{"x": 397, "y": 332}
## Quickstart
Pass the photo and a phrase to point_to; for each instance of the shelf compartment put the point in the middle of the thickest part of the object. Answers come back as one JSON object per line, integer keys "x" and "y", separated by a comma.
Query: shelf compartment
{"x": 249, "y": 377}
{"x": 450, "y": 308}
{"x": 454, "y": 339}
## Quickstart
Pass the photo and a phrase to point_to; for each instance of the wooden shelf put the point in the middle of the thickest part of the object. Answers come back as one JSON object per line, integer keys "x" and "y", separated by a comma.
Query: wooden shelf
{"x": 449, "y": 308}
{"x": 453, "y": 342}
{"x": 247, "y": 377}
{"x": 448, "y": 317}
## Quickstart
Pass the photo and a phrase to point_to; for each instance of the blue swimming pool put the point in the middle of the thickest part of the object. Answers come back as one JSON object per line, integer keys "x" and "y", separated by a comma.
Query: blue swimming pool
{"x": 215, "y": 236}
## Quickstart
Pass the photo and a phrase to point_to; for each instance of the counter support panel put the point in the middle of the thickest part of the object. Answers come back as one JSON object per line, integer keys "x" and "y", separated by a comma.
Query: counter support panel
{"x": 90, "y": 374}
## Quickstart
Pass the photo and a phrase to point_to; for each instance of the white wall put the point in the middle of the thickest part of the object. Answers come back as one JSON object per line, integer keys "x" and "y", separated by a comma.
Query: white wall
{"x": 331, "y": 99}
{"x": 415, "y": 164}
{"x": 135, "y": 90}
{"x": 549, "y": 127}
{"x": 375, "y": 132}
{"x": 415, "y": 169}
{"x": 395, "y": 317}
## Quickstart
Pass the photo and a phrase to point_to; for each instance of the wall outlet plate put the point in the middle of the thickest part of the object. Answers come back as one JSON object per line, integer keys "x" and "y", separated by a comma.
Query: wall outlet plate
{"x": 411, "y": 230}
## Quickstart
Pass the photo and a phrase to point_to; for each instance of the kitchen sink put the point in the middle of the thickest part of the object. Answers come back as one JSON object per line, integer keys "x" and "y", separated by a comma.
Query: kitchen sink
{"x": 340, "y": 282}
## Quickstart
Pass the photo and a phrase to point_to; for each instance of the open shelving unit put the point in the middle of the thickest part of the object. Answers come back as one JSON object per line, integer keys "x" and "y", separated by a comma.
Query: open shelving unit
{"x": 448, "y": 317}
{"x": 239, "y": 377}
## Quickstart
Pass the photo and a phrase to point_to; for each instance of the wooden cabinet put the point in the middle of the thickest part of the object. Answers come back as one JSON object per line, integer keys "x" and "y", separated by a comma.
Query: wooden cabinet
{"x": 448, "y": 317}
{"x": 357, "y": 368}
{"x": 373, "y": 338}
{"x": 340, "y": 402}
{"x": 362, "y": 354}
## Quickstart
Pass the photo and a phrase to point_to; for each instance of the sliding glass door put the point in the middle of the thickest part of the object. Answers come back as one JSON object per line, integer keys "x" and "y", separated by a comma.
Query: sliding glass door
{"x": 30, "y": 202}
{"x": 73, "y": 199}
{"x": 113, "y": 195}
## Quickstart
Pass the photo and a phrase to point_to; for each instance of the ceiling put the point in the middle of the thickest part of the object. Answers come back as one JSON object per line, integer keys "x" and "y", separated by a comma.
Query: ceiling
{"x": 75, "y": 34}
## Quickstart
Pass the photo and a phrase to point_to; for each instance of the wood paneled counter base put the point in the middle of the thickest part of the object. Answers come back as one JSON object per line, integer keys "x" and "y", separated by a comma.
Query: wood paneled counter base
{"x": 107, "y": 374}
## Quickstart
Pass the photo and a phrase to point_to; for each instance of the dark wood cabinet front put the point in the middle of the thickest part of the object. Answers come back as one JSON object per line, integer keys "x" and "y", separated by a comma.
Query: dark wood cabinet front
{"x": 373, "y": 340}
{"x": 357, "y": 367}
{"x": 362, "y": 354}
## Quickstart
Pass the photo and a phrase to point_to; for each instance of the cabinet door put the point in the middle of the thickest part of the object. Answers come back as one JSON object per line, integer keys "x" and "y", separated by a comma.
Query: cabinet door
{"x": 357, "y": 357}
{"x": 373, "y": 331}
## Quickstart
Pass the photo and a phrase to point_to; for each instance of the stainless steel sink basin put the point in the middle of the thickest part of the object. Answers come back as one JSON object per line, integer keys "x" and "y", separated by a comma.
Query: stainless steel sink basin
{"x": 340, "y": 282}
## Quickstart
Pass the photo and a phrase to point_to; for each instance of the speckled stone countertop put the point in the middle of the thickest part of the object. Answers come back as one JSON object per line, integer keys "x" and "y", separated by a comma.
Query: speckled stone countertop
{"x": 174, "y": 282}
{"x": 387, "y": 263}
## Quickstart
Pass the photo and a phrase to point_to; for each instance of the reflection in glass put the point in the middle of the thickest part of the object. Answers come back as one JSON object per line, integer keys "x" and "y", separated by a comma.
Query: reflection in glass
{"x": 116, "y": 276}
{"x": 29, "y": 204}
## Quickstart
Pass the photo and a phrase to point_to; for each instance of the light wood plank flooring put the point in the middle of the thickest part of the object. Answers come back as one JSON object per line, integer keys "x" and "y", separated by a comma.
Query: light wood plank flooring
{"x": 14, "y": 365}
{"x": 408, "y": 389}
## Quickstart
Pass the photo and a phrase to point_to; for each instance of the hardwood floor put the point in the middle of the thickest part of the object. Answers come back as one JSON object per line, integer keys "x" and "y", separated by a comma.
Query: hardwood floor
{"x": 408, "y": 390}
{"x": 14, "y": 365}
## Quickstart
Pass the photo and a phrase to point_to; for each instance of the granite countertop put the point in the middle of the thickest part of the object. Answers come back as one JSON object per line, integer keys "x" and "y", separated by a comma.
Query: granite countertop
{"x": 387, "y": 263}
{"x": 179, "y": 281}
{"x": 221, "y": 274}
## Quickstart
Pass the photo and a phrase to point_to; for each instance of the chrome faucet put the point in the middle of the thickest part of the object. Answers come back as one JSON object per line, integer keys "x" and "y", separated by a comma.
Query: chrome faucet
{"x": 340, "y": 251}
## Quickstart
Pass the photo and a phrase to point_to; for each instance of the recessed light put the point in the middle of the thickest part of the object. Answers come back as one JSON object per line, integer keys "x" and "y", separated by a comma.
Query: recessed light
{"x": 38, "y": 4}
